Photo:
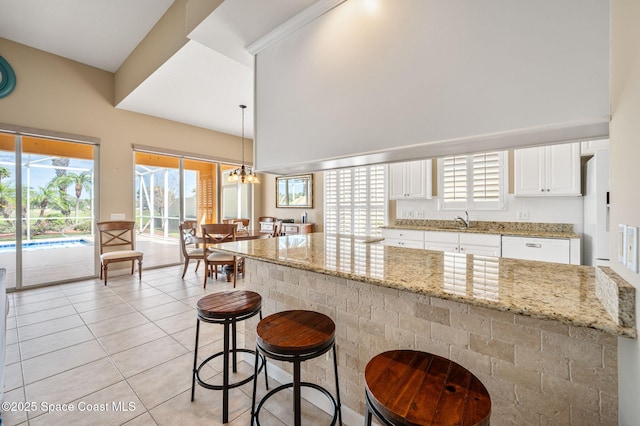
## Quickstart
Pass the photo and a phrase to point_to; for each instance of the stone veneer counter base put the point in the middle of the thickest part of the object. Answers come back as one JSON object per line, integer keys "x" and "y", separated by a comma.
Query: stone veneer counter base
{"x": 534, "y": 333}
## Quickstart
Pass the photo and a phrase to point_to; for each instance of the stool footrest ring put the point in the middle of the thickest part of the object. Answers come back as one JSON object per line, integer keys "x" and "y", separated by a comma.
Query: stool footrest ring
{"x": 231, "y": 385}
{"x": 264, "y": 399}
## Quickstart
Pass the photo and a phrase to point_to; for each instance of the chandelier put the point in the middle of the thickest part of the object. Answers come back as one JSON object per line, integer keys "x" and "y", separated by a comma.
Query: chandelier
{"x": 243, "y": 174}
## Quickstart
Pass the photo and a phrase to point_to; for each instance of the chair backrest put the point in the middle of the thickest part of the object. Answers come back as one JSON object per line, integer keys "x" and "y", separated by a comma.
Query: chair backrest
{"x": 116, "y": 235}
{"x": 214, "y": 233}
{"x": 277, "y": 229}
{"x": 188, "y": 231}
{"x": 266, "y": 219}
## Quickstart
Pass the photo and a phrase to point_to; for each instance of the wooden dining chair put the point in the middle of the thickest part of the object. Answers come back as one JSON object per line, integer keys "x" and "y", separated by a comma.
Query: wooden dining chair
{"x": 215, "y": 233}
{"x": 189, "y": 244}
{"x": 118, "y": 244}
{"x": 277, "y": 229}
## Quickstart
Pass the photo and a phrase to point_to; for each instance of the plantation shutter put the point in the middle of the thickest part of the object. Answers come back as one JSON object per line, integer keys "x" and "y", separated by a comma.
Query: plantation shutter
{"x": 486, "y": 176}
{"x": 355, "y": 200}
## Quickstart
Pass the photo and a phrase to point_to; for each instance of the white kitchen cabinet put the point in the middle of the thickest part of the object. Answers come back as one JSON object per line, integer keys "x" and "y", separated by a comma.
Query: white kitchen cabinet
{"x": 403, "y": 238}
{"x": 556, "y": 250}
{"x": 411, "y": 179}
{"x": 463, "y": 242}
{"x": 548, "y": 170}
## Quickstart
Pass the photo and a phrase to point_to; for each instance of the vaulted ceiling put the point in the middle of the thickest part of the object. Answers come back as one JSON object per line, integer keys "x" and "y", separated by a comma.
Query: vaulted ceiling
{"x": 201, "y": 84}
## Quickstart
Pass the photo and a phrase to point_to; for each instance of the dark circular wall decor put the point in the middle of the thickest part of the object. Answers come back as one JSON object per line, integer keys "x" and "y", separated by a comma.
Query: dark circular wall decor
{"x": 8, "y": 80}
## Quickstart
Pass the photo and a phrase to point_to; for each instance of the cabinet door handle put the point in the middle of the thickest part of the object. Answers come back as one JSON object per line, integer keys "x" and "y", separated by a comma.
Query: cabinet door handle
{"x": 534, "y": 245}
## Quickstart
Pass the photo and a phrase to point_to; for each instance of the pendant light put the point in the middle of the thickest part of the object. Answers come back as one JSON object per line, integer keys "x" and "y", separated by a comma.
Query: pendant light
{"x": 243, "y": 174}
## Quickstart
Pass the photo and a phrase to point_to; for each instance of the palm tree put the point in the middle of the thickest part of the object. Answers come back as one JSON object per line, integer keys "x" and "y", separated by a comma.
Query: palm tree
{"x": 80, "y": 181}
{"x": 7, "y": 200}
{"x": 61, "y": 164}
{"x": 43, "y": 197}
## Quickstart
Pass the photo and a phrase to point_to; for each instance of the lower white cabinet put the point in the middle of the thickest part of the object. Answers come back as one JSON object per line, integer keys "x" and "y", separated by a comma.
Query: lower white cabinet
{"x": 463, "y": 242}
{"x": 403, "y": 238}
{"x": 557, "y": 250}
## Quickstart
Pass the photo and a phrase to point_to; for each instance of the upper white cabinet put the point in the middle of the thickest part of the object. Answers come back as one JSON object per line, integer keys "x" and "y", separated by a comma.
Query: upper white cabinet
{"x": 548, "y": 171}
{"x": 410, "y": 180}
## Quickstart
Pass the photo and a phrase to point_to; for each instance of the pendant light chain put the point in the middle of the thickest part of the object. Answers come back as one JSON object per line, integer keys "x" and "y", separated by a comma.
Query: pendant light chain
{"x": 243, "y": 174}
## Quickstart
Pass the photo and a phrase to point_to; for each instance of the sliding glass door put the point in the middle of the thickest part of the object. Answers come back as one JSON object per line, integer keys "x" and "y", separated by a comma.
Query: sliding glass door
{"x": 47, "y": 210}
{"x": 170, "y": 189}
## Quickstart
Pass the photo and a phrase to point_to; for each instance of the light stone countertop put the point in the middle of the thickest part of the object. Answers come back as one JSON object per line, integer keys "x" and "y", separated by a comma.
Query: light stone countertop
{"x": 522, "y": 229}
{"x": 564, "y": 293}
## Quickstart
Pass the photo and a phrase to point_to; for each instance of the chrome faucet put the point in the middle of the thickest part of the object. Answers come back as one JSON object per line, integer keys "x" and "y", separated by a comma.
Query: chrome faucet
{"x": 466, "y": 222}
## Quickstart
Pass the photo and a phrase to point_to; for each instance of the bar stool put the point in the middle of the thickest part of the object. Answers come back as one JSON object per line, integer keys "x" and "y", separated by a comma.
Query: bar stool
{"x": 226, "y": 308}
{"x": 296, "y": 336}
{"x": 405, "y": 387}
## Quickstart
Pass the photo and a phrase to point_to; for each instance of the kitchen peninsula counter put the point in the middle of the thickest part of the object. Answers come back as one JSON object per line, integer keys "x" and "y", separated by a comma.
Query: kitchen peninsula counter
{"x": 565, "y": 293}
{"x": 536, "y": 334}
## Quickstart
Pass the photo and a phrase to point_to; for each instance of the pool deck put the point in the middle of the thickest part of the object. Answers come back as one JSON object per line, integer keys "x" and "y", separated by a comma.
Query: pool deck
{"x": 43, "y": 266}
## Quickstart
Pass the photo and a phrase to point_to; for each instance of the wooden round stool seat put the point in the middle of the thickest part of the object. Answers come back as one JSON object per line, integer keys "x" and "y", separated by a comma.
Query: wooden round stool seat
{"x": 231, "y": 304}
{"x": 226, "y": 308}
{"x": 296, "y": 332}
{"x": 405, "y": 387}
{"x": 297, "y": 336}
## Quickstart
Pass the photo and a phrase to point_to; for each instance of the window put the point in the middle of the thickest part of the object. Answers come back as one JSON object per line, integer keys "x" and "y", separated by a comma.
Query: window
{"x": 472, "y": 182}
{"x": 355, "y": 201}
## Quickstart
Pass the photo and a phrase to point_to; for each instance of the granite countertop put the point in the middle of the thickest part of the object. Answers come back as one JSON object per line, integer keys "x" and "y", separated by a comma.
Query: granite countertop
{"x": 522, "y": 229}
{"x": 565, "y": 293}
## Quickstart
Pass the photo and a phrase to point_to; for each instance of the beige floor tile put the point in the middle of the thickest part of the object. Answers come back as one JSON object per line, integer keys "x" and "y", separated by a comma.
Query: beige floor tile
{"x": 40, "y": 306}
{"x": 45, "y": 315}
{"x": 74, "y": 384}
{"x": 138, "y": 293}
{"x": 48, "y": 327}
{"x": 84, "y": 294}
{"x": 188, "y": 292}
{"x": 143, "y": 420}
{"x": 120, "y": 323}
{"x": 179, "y": 322}
{"x": 14, "y": 416}
{"x": 12, "y": 336}
{"x": 54, "y": 342}
{"x": 163, "y": 311}
{"x": 11, "y": 322}
{"x": 206, "y": 409}
{"x": 144, "y": 357}
{"x": 32, "y": 296}
{"x": 98, "y": 303}
{"x": 131, "y": 337}
{"x": 56, "y": 362}
{"x": 165, "y": 381}
{"x": 152, "y": 301}
{"x": 12, "y": 354}
{"x": 209, "y": 333}
{"x": 13, "y": 377}
{"x": 114, "y": 405}
{"x": 107, "y": 313}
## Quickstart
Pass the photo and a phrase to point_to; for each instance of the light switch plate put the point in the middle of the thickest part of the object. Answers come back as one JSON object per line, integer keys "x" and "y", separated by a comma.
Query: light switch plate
{"x": 632, "y": 248}
{"x": 117, "y": 216}
{"x": 622, "y": 244}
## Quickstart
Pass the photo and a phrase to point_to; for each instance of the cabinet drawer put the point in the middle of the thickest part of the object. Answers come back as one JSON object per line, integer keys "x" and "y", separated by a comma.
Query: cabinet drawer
{"x": 290, "y": 229}
{"x": 543, "y": 249}
{"x": 403, "y": 243}
{"x": 266, "y": 226}
{"x": 492, "y": 240}
{"x": 403, "y": 234}
{"x": 441, "y": 237}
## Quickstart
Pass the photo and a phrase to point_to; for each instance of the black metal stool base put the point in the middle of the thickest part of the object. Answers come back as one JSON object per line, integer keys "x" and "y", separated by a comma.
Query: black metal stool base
{"x": 246, "y": 380}
{"x": 372, "y": 410}
{"x": 272, "y": 392}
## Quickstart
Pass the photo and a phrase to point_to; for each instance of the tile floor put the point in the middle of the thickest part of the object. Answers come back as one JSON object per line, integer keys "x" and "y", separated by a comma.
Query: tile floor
{"x": 122, "y": 354}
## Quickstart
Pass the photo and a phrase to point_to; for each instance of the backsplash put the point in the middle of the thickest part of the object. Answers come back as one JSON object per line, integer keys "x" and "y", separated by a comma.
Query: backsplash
{"x": 490, "y": 225}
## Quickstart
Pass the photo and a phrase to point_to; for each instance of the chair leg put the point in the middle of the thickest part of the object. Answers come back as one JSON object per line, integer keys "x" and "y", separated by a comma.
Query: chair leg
{"x": 235, "y": 273}
{"x": 105, "y": 274}
{"x": 140, "y": 269}
{"x": 133, "y": 265}
{"x": 206, "y": 268}
{"x": 184, "y": 271}
{"x": 197, "y": 265}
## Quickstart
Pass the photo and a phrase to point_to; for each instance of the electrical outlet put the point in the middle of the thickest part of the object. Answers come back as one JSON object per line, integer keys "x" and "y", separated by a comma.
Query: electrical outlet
{"x": 632, "y": 248}
{"x": 523, "y": 215}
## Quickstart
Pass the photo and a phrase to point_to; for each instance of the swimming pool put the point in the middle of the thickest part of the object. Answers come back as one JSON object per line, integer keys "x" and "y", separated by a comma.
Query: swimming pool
{"x": 40, "y": 245}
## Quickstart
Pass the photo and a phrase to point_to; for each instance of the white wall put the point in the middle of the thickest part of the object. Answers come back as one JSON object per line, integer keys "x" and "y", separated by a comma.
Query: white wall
{"x": 624, "y": 177}
{"x": 424, "y": 78}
